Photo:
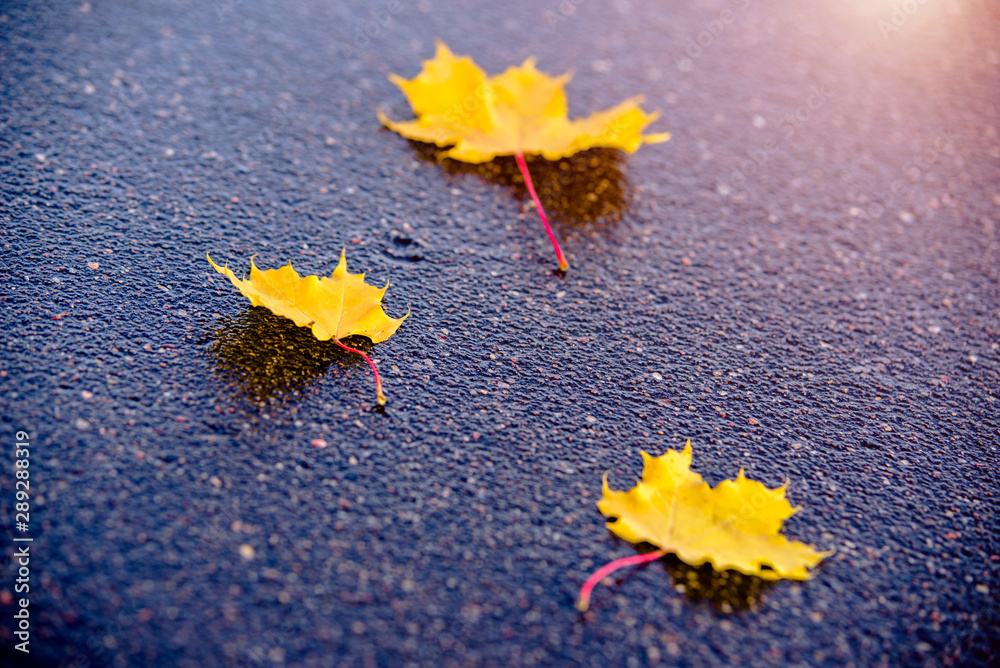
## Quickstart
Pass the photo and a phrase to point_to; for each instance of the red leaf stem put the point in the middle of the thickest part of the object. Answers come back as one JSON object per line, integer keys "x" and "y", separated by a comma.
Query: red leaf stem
{"x": 378, "y": 381}
{"x": 563, "y": 264}
{"x": 605, "y": 570}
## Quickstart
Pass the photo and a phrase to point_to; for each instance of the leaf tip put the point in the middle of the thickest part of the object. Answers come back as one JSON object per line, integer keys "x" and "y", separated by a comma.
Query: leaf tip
{"x": 443, "y": 52}
{"x": 341, "y": 267}
{"x": 605, "y": 488}
{"x": 253, "y": 267}
{"x": 686, "y": 452}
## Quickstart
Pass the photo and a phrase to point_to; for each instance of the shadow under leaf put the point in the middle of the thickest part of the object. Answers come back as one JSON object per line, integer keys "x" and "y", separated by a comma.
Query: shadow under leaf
{"x": 584, "y": 188}
{"x": 728, "y": 591}
{"x": 265, "y": 357}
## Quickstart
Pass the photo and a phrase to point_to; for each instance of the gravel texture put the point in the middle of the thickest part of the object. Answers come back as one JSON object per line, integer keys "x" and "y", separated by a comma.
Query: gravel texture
{"x": 804, "y": 281}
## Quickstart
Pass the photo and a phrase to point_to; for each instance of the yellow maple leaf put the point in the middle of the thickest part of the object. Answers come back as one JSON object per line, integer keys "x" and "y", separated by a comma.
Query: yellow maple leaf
{"x": 334, "y": 307}
{"x": 734, "y": 525}
{"x": 520, "y": 111}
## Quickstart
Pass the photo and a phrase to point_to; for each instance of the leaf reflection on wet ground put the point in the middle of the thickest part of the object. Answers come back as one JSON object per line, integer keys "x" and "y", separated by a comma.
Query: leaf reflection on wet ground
{"x": 727, "y": 591}
{"x": 585, "y": 188}
{"x": 262, "y": 357}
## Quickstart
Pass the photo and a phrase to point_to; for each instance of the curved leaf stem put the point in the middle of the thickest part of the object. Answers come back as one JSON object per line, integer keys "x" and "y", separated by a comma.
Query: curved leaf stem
{"x": 605, "y": 570}
{"x": 378, "y": 381}
{"x": 563, "y": 264}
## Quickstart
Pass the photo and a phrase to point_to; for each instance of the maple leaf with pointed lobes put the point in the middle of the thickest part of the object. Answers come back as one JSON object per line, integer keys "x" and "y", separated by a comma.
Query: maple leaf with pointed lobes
{"x": 334, "y": 307}
{"x": 520, "y": 111}
{"x": 733, "y": 525}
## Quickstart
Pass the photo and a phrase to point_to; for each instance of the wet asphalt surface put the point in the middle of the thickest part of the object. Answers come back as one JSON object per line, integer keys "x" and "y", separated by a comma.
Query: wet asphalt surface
{"x": 804, "y": 281}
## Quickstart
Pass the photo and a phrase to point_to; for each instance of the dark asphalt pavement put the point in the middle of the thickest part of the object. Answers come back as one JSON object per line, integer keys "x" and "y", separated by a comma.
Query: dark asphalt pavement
{"x": 804, "y": 281}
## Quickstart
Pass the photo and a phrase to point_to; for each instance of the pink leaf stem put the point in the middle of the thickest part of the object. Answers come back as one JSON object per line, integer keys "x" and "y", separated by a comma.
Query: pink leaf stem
{"x": 563, "y": 264}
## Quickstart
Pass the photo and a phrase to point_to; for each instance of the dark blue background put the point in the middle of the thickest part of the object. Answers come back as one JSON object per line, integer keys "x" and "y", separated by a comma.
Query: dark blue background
{"x": 807, "y": 292}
